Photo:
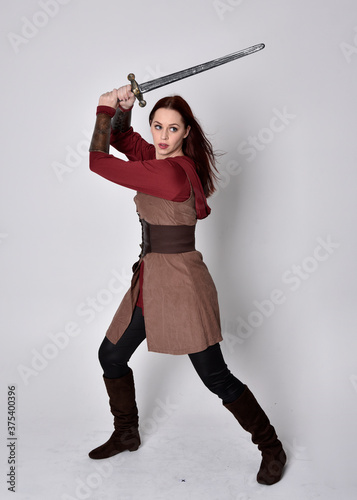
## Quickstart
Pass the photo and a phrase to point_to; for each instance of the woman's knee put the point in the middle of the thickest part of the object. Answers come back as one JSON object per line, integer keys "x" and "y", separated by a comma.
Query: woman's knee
{"x": 224, "y": 384}
{"x": 105, "y": 353}
{"x": 215, "y": 375}
{"x": 112, "y": 361}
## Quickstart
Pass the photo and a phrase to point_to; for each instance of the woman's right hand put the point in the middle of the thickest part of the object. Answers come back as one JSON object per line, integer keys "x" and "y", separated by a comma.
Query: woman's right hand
{"x": 122, "y": 96}
{"x": 109, "y": 99}
{"x": 126, "y": 97}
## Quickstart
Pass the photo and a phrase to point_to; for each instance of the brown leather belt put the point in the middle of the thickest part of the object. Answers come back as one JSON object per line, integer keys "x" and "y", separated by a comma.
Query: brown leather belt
{"x": 166, "y": 239}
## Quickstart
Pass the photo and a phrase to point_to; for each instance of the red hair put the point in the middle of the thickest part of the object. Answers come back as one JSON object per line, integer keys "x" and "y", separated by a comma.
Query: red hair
{"x": 196, "y": 145}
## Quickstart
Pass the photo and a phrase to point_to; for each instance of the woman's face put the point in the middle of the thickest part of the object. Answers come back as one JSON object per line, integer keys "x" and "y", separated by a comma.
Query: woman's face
{"x": 168, "y": 132}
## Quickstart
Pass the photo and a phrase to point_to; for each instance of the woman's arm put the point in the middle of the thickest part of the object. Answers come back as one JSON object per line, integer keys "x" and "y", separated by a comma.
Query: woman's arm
{"x": 164, "y": 178}
{"x": 107, "y": 105}
{"x": 132, "y": 145}
{"x": 121, "y": 121}
{"x": 122, "y": 137}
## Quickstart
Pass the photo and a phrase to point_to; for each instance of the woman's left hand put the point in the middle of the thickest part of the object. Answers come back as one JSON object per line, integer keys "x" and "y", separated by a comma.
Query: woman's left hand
{"x": 109, "y": 99}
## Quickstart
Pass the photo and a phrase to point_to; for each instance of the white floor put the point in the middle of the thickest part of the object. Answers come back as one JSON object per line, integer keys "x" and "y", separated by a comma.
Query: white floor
{"x": 187, "y": 453}
{"x": 195, "y": 463}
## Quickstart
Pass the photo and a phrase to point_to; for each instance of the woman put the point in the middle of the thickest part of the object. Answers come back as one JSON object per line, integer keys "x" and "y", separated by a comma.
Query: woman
{"x": 172, "y": 301}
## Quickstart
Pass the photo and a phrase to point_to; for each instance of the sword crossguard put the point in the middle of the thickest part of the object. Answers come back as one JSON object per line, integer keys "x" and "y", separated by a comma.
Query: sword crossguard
{"x": 135, "y": 90}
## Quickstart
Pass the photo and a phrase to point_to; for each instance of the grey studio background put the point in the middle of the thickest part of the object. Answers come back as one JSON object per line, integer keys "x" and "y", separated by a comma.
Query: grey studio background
{"x": 280, "y": 245}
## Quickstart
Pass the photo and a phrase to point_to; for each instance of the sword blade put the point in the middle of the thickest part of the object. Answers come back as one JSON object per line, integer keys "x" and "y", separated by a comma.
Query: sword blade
{"x": 180, "y": 75}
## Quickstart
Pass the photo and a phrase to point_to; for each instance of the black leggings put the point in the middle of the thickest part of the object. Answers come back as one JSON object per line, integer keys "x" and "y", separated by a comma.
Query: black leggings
{"x": 209, "y": 364}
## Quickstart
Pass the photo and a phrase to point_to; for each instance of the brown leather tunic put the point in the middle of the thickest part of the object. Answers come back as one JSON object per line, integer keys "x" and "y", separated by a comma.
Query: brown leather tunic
{"x": 180, "y": 299}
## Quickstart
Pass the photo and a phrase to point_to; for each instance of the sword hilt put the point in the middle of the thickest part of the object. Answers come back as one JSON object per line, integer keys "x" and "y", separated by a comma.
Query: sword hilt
{"x": 135, "y": 90}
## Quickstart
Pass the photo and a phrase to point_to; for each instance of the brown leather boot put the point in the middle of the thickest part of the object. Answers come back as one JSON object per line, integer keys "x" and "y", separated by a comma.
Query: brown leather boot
{"x": 121, "y": 393}
{"x": 252, "y": 418}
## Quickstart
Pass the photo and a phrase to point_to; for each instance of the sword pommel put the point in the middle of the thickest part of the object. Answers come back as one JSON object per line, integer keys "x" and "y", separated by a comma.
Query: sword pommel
{"x": 136, "y": 90}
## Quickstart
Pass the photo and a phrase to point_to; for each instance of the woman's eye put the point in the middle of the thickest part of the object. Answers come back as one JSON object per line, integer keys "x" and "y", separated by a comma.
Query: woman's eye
{"x": 173, "y": 129}
{"x": 158, "y": 127}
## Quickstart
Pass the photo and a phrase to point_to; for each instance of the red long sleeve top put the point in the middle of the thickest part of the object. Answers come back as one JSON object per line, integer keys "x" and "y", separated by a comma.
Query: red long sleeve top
{"x": 162, "y": 178}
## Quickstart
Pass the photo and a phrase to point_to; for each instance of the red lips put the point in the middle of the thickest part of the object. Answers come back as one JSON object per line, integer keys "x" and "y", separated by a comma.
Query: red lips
{"x": 162, "y": 145}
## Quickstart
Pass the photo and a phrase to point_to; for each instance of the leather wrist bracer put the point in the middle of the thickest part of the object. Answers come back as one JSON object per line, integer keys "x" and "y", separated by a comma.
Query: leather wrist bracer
{"x": 121, "y": 121}
{"x": 101, "y": 134}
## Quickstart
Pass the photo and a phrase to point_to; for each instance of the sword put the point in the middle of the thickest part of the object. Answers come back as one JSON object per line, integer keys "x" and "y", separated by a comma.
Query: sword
{"x": 139, "y": 89}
